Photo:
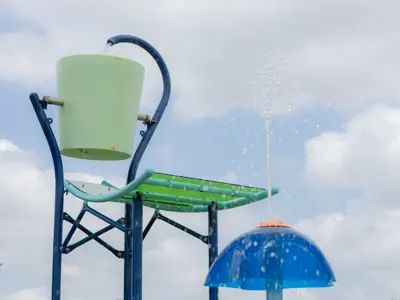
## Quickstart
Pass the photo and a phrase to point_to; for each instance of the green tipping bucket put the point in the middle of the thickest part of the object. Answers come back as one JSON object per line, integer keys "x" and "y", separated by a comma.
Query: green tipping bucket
{"x": 101, "y": 95}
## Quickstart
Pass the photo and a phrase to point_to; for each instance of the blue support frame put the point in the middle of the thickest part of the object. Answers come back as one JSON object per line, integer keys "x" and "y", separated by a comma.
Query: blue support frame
{"x": 134, "y": 212}
{"x": 39, "y": 107}
{"x": 132, "y": 223}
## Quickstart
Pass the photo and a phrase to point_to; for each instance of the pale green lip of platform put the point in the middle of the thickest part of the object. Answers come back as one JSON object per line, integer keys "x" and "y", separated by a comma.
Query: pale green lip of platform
{"x": 170, "y": 192}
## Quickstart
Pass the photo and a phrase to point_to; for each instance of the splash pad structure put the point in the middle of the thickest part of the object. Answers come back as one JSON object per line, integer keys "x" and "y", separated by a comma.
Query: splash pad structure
{"x": 99, "y": 100}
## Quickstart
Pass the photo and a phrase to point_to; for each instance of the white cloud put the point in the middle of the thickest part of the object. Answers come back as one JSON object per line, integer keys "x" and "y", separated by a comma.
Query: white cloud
{"x": 213, "y": 49}
{"x": 365, "y": 156}
{"x": 362, "y": 240}
{"x": 31, "y": 294}
{"x": 72, "y": 271}
{"x": 362, "y": 246}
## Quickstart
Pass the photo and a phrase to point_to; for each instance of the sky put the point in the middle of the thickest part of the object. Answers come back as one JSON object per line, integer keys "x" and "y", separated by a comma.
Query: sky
{"x": 330, "y": 82}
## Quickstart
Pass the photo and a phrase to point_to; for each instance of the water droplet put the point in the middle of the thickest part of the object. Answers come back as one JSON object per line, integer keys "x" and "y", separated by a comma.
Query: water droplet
{"x": 106, "y": 47}
{"x": 272, "y": 254}
{"x": 255, "y": 243}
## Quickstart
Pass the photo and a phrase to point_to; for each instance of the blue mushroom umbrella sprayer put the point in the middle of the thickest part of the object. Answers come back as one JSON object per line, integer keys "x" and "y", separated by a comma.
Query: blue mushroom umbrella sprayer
{"x": 271, "y": 258}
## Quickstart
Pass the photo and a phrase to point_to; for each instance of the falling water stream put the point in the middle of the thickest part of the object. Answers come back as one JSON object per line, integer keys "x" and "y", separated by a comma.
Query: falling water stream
{"x": 263, "y": 102}
{"x": 268, "y": 96}
{"x": 268, "y": 121}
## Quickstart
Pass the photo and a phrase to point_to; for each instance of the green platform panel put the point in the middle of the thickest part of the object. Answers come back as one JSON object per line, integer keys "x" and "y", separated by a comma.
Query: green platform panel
{"x": 181, "y": 194}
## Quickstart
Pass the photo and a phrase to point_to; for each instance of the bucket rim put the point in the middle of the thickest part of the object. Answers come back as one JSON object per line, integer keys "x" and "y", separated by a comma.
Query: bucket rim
{"x": 106, "y": 56}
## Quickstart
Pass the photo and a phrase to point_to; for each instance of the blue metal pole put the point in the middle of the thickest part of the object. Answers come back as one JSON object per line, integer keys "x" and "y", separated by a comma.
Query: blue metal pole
{"x": 137, "y": 246}
{"x": 134, "y": 212}
{"x": 45, "y": 122}
{"x": 274, "y": 269}
{"x": 212, "y": 243}
{"x": 128, "y": 254}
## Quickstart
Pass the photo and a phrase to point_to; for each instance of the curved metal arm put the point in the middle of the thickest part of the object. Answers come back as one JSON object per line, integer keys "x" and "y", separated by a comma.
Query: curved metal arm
{"x": 134, "y": 212}
{"x": 130, "y": 187}
{"x": 164, "y": 98}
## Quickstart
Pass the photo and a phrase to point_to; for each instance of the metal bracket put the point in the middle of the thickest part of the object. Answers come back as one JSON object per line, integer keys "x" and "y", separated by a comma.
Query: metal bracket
{"x": 146, "y": 119}
{"x": 54, "y": 101}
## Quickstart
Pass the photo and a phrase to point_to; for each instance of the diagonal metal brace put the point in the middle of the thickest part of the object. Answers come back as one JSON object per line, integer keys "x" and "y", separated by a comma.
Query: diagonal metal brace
{"x": 106, "y": 219}
{"x": 73, "y": 228}
{"x": 69, "y": 219}
{"x": 151, "y": 223}
{"x": 92, "y": 236}
{"x": 193, "y": 233}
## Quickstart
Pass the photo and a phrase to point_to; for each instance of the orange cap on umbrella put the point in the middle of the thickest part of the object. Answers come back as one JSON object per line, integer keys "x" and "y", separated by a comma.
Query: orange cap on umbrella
{"x": 273, "y": 223}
